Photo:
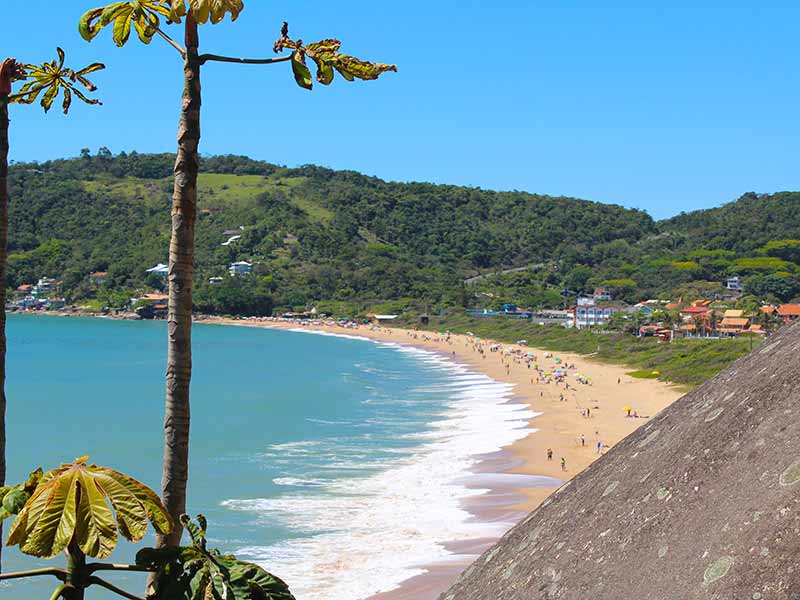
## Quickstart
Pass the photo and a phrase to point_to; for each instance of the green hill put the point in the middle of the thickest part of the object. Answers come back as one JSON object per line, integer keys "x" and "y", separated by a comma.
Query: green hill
{"x": 347, "y": 241}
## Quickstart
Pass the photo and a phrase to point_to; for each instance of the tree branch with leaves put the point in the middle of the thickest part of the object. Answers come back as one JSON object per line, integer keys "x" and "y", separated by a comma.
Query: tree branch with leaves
{"x": 148, "y": 18}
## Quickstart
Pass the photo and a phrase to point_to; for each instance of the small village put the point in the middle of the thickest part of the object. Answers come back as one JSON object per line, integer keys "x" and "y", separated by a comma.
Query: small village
{"x": 729, "y": 315}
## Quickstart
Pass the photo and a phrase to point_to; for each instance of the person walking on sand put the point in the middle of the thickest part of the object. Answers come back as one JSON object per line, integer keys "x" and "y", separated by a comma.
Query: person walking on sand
{"x": 549, "y": 454}
{"x": 563, "y": 464}
{"x": 583, "y": 440}
{"x": 599, "y": 446}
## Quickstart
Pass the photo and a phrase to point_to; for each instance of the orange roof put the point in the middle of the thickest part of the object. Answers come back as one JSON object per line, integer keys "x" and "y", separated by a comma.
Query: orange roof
{"x": 734, "y": 322}
{"x": 768, "y": 309}
{"x": 688, "y": 327}
{"x": 672, "y": 306}
{"x": 789, "y": 310}
{"x": 155, "y": 297}
{"x": 736, "y": 314}
{"x": 695, "y": 310}
{"x": 25, "y": 288}
{"x": 99, "y": 274}
{"x": 755, "y": 327}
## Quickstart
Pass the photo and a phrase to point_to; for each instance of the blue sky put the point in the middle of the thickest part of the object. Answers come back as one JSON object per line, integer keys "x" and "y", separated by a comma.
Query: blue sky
{"x": 660, "y": 106}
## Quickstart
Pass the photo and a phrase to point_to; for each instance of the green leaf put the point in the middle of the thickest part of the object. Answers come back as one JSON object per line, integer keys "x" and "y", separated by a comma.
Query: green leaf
{"x": 301, "y": 73}
{"x": 56, "y": 524}
{"x": 122, "y": 30}
{"x": 71, "y": 503}
{"x": 49, "y": 96}
{"x": 324, "y": 73}
{"x": 88, "y": 26}
{"x": 15, "y": 499}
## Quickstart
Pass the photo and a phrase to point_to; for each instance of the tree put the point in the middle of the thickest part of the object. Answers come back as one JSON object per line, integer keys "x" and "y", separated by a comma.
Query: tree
{"x": 145, "y": 17}
{"x": 52, "y": 78}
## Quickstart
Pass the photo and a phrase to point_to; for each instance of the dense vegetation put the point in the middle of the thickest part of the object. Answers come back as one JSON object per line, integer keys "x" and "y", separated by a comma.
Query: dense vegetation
{"x": 347, "y": 243}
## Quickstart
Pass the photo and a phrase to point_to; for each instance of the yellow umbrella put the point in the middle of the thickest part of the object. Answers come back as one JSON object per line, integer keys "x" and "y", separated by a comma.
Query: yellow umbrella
{"x": 627, "y": 408}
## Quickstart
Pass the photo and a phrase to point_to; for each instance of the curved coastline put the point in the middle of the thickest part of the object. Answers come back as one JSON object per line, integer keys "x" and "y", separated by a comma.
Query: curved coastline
{"x": 559, "y": 426}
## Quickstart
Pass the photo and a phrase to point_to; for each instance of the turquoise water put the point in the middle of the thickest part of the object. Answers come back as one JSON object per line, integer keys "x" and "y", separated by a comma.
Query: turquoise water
{"x": 337, "y": 463}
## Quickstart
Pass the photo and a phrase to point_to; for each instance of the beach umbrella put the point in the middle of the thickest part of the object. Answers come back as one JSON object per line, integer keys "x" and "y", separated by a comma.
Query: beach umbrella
{"x": 627, "y": 408}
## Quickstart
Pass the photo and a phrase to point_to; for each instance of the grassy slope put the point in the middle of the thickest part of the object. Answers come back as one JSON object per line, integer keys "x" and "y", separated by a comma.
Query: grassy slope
{"x": 684, "y": 362}
{"x": 214, "y": 190}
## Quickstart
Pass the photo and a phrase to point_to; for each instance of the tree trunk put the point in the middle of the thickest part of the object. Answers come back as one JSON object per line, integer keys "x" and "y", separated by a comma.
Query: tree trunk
{"x": 3, "y": 244}
{"x": 181, "y": 270}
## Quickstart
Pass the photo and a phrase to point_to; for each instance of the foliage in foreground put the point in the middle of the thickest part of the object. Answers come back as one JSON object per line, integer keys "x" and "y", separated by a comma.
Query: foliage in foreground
{"x": 82, "y": 509}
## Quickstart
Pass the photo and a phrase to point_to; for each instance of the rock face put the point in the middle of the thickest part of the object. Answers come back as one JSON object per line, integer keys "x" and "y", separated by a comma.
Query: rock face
{"x": 702, "y": 502}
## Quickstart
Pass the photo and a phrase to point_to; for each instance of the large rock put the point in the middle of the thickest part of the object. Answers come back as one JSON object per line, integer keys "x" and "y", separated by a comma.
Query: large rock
{"x": 702, "y": 502}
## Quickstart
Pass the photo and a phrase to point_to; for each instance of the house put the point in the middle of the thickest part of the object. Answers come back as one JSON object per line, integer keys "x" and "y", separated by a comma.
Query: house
{"x": 642, "y": 308}
{"x": 56, "y": 304}
{"x": 733, "y": 314}
{"x": 789, "y": 312}
{"x": 691, "y": 312}
{"x": 601, "y": 293}
{"x": 733, "y": 325}
{"x": 98, "y": 277}
{"x": 734, "y": 284}
{"x": 25, "y": 289}
{"x": 384, "y": 319}
{"x": 565, "y": 318}
{"x": 589, "y": 314}
{"x": 240, "y": 268}
{"x": 215, "y": 280}
{"x": 160, "y": 269}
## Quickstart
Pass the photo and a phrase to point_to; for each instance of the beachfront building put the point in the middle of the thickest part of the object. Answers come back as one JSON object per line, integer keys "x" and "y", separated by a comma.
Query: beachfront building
{"x": 44, "y": 286}
{"x": 241, "y": 268}
{"x": 381, "y": 319}
{"x": 588, "y": 313}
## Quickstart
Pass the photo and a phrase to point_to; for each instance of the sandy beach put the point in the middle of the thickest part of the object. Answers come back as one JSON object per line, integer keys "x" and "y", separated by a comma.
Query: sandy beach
{"x": 577, "y": 421}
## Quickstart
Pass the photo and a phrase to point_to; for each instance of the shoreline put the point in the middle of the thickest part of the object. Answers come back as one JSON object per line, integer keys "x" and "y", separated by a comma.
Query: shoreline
{"x": 558, "y": 425}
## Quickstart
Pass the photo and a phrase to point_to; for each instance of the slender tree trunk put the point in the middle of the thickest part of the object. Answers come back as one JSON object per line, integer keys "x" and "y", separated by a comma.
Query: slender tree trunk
{"x": 181, "y": 270}
{"x": 3, "y": 244}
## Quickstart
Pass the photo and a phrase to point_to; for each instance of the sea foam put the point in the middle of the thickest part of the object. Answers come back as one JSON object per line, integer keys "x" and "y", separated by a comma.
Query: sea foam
{"x": 363, "y": 536}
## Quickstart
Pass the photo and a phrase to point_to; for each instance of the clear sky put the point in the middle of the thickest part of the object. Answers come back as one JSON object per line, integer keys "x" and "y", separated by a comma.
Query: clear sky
{"x": 665, "y": 106}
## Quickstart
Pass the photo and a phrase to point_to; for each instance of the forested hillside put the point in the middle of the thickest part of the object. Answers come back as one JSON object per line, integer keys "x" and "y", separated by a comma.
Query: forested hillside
{"x": 338, "y": 239}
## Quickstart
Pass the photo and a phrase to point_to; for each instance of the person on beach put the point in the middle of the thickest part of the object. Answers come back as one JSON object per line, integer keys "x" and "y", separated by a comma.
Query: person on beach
{"x": 563, "y": 464}
{"x": 549, "y": 454}
{"x": 599, "y": 446}
{"x": 588, "y": 413}
{"x": 583, "y": 440}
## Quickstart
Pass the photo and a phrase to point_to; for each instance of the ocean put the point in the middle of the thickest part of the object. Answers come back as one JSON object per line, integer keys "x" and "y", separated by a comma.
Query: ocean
{"x": 338, "y": 463}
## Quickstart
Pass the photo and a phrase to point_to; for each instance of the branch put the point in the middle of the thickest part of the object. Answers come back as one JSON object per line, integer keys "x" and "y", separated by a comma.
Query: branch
{"x": 60, "y": 591}
{"x": 172, "y": 43}
{"x": 59, "y": 573}
{"x": 93, "y": 567}
{"x": 94, "y": 580}
{"x": 243, "y": 61}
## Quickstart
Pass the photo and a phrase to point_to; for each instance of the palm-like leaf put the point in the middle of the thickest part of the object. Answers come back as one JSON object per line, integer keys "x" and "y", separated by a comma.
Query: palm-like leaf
{"x": 144, "y": 16}
{"x": 52, "y": 78}
{"x": 71, "y": 503}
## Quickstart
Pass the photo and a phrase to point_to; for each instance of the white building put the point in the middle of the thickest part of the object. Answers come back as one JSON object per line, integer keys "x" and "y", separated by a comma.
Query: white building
{"x": 160, "y": 269}
{"x": 240, "y": 268}
{"x": 589, "y": 314}
{"x": 734, "y": 284}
